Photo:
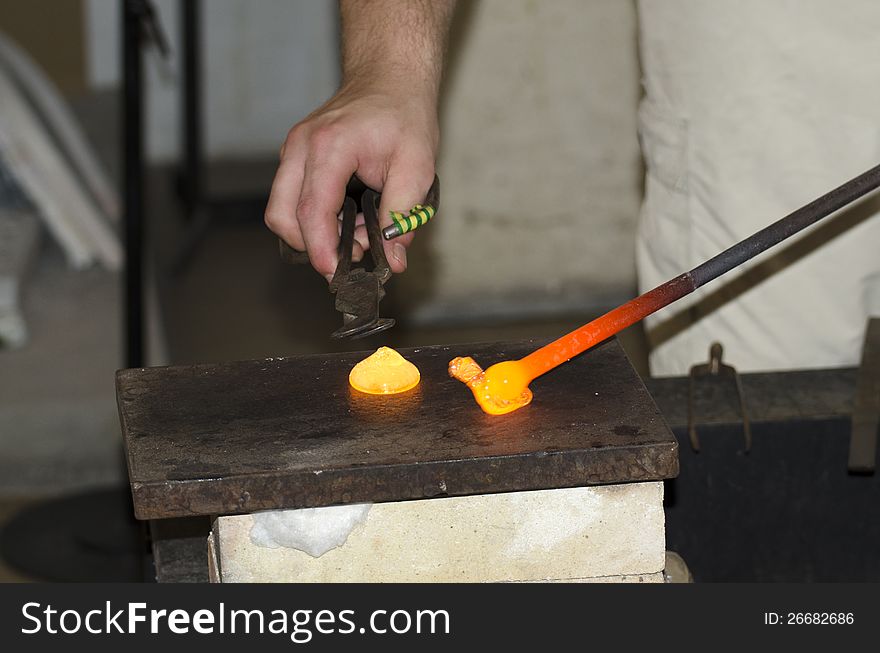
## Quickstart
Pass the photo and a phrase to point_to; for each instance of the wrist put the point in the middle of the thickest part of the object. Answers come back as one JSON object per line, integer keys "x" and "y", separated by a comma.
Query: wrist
{"x": 396, "y": 79}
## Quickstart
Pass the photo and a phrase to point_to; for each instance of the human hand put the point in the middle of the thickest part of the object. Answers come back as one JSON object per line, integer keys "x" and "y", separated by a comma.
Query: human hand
{"x": 386, "y": 135}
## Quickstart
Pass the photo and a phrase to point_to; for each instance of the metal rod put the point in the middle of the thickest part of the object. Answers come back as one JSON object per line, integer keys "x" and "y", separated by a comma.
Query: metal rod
{"x": 133, "y": 169}
{"x": 785, "y": 227}
{"x": 191, "y": 83}
{"x": 581, "y": 339}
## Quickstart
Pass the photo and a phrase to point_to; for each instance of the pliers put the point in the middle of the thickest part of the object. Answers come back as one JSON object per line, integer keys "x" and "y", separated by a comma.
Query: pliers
{"x": 358, "y": 290}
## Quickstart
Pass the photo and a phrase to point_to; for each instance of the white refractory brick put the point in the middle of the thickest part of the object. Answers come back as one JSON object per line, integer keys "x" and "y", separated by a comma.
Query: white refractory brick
{"x": 19, "y": 238}
{"x": 563, "y": 534}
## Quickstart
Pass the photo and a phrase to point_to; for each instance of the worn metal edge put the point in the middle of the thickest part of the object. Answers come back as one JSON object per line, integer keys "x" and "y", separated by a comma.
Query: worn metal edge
{"x": 275, "y": 490}
{"x": 123, "y": 426}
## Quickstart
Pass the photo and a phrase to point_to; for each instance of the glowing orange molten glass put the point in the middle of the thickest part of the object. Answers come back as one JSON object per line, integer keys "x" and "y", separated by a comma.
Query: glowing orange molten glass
{"x": 501, "y": 389}
{"x": 504, "y": 387}
{"x": 384, "y": 372}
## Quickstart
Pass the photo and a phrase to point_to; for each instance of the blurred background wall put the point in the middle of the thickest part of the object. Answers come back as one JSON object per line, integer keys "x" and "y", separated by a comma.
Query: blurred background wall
{"x": 540, "y": 166}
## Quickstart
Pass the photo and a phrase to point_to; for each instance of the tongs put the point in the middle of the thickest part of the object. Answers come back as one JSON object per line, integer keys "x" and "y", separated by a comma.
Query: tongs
{"x": 358, "y": 290}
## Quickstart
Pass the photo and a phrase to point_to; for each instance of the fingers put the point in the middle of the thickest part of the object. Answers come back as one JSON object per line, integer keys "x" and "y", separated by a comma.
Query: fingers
{"x": 357, "y": 252}
{"x": 327, "y": 171}
{"x": 361, "y": 239}
{"x": 361, "y": 243}
{"x": 306, "y": 196}
{"x": 406, "y": 185}
{"x": 280, "y": 215}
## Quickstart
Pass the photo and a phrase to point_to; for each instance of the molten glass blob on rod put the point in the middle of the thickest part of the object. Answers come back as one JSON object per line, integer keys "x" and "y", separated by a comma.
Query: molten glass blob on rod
{"x": 504, "y": 387}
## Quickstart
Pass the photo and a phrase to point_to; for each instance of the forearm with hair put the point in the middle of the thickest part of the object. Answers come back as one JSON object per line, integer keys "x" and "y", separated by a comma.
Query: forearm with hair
{"x": 401, "y": 42}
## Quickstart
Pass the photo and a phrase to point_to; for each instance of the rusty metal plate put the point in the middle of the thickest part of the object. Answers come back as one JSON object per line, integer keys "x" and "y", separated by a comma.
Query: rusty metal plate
{"x": 290, "y": 433}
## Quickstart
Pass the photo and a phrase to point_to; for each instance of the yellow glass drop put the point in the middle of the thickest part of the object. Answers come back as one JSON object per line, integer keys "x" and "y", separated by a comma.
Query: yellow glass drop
{"x": 384, "y": 372}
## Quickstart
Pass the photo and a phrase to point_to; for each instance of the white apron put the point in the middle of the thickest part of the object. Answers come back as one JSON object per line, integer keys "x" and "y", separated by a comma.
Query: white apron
{"x": 752, "y": 109}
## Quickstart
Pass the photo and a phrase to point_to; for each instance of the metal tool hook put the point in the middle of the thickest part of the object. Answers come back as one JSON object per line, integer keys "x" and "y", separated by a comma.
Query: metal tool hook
{"x": 716, "y": 368}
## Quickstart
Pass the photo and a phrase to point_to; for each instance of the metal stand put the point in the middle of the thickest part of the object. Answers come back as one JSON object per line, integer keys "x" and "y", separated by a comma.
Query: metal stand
{"x": 133, "y": 12}
{"x": 201, "y": 211}
{"x": 191, "y": 174}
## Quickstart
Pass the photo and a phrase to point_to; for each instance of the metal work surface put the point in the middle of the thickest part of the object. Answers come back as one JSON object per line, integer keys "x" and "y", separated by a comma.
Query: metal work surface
{"x": 289, "y": 432}
{"x": 795, "y": 477}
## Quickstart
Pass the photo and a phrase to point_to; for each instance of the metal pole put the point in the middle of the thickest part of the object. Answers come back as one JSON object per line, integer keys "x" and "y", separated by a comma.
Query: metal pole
{"x": 570, "y": 345}
{"x": 192, "y": 96}
{"x": 788, "y": 226}
{"x": 133, "y": 179}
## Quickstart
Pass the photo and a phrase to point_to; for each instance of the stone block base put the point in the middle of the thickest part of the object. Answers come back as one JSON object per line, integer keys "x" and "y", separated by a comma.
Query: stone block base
{"x": 588, "y": 534}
